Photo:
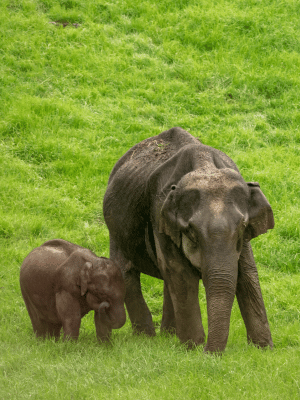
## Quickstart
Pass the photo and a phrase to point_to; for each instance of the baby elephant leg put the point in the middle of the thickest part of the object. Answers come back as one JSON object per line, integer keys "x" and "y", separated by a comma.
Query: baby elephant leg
{"x": 54, "y": 330}
{"x": 41, "y": 327}
{"x": 68, "y": 309}
{"x": 46, "y": 329}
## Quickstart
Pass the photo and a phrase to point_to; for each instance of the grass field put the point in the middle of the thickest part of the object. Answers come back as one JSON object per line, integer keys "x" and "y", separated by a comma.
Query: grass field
{"x": 81, "y": 81}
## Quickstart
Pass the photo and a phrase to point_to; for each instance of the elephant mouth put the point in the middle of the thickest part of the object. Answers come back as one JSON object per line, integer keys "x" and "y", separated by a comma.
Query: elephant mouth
{"x": 191, "y": 251}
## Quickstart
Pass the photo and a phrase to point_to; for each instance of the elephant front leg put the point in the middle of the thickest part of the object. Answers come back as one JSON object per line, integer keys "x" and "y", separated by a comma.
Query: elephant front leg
{"x": 182, "y": 284}
{"x": 168, "y": 323}
{"x": 250, "y": 300}
{"x": 69, "y": 312}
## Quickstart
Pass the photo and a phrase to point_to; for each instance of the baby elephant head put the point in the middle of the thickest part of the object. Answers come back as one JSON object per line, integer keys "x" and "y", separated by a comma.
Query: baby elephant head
{"x": 103, "y": 286}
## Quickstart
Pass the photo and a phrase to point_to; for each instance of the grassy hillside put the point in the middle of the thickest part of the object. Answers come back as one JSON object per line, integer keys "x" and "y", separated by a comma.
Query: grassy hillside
{"x": 83, "y": 81}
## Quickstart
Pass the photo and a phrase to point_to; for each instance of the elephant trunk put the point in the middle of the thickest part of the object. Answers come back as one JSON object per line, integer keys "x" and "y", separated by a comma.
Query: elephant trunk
{"x": 220, "y": 280}
{"x": 115, "y": 318}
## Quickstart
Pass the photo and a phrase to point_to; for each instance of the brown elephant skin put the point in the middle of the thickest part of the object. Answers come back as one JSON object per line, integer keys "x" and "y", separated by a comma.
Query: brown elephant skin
{"x": 61, "y": 282}
{"x": 180, "y": 211}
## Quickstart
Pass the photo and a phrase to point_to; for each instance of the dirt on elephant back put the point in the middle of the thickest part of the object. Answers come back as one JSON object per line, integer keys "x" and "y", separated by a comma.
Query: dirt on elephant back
{"x": 152, "y": 151}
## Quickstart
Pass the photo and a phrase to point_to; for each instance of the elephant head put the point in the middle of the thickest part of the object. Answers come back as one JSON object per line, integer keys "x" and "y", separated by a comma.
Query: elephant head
{"x": 102, "y": 284}
{"x": 208, "y": 215}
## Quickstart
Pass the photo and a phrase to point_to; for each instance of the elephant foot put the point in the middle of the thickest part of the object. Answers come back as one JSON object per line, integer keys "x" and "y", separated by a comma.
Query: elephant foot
{"x": 147, "y": 330}
{"x": 46, "y": 330}
{"x": 215, "y": 347}
{"x": 104, "y": 339}
{"x": 105, "y": 342}
{"x": 191, "y": 344}
{"x": 215, "y": 352}
{"x": 169, "y": 330}
{"x": 261, "y": 343}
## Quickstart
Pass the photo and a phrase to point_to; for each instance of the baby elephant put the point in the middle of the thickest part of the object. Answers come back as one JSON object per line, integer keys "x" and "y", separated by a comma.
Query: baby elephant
{"x": 61, "y": 282}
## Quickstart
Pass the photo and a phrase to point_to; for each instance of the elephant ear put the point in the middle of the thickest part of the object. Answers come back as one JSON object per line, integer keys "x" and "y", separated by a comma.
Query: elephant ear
{"x": 168, "y": 218}
{"x": 177, "y": 210}
{"x": 162, "y": 184}
{"x": 84, "y": 276}
{"x": 260, "y": 213}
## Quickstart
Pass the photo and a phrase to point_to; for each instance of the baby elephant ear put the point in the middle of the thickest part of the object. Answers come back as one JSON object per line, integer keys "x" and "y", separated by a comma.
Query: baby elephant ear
{"x": 260, "y": 213}
{"x": 85, "y": 272}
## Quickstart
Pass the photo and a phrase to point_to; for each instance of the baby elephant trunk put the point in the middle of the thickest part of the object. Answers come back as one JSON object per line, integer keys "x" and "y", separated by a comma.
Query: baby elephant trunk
{"x": 115, "y": 318}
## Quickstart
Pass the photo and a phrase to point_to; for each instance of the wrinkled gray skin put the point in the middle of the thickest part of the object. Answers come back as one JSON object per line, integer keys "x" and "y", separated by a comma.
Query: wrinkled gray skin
{"x": 61, "y": 282}
{"x": 180, "y": 211}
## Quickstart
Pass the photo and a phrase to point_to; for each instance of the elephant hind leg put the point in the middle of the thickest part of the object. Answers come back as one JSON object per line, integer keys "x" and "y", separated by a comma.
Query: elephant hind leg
{"x": 54, "y": 330}
{"x": 46, "y": 329}
{"x": 41, "y": 327}
{"x": 168, "y": 323}
{"x": 137, "y": 308}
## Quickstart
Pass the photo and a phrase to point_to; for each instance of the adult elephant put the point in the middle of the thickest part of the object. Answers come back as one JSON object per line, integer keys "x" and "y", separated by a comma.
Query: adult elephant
{"x": 180, "y": 211}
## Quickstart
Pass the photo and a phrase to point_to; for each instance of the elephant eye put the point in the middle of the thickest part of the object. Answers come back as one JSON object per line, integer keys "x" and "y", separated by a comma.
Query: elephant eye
{"x": 192, "y": 237}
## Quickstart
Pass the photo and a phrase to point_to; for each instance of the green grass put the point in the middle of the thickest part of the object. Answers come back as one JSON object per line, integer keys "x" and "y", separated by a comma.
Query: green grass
{"x": 72, "y": 101}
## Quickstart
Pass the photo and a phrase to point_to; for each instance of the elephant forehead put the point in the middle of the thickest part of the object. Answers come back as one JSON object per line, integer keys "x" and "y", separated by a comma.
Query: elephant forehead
{"x": 211, "y": 178}
{"x": 217, "y": 206}
{"x": 211, "y": 182}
